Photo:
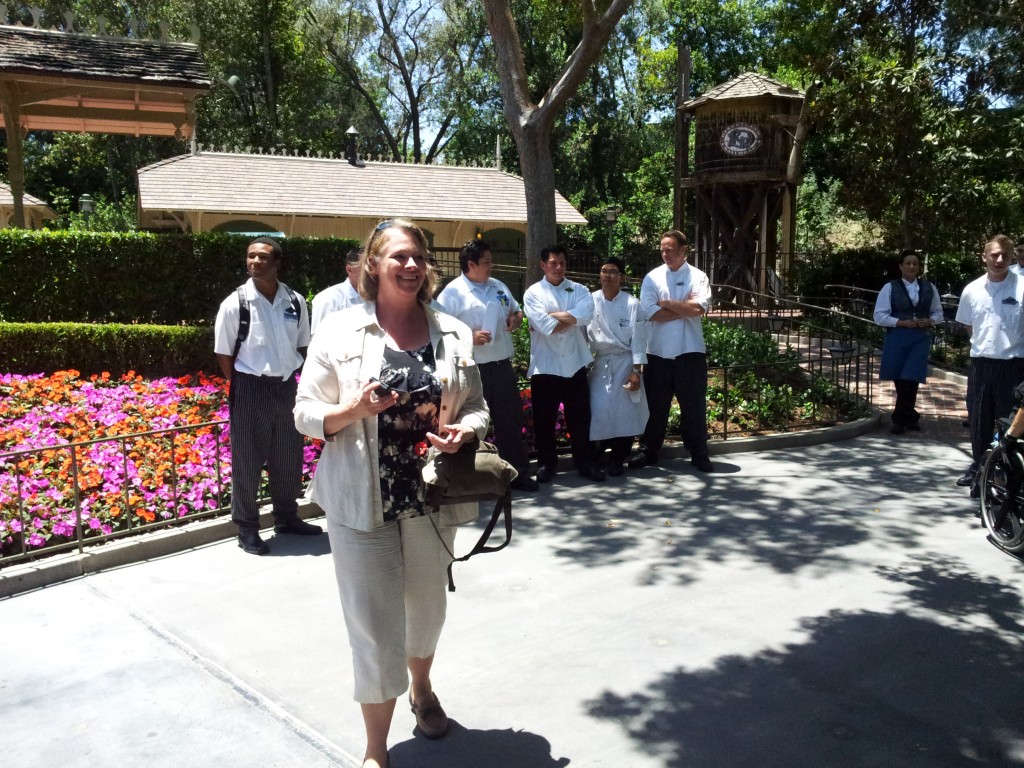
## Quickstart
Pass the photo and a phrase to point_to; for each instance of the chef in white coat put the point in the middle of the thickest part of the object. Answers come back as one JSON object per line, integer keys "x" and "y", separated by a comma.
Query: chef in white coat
{"x": 618, "y": 339}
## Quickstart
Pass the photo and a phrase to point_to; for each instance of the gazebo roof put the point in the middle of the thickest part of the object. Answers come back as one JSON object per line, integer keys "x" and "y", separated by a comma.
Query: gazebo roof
{"x": 53, "y": 80}
{"x": 749, "y": 85}
{"x": 313, "y": 186}
{"x": 51, "y": 53}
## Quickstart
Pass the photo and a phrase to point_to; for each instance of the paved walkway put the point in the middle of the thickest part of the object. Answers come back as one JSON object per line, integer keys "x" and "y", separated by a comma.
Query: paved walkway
{"x": 834, "y": 605}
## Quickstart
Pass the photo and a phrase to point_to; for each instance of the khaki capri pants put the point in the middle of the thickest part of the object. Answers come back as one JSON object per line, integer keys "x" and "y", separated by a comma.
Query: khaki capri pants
{"x": 392, "y": 581}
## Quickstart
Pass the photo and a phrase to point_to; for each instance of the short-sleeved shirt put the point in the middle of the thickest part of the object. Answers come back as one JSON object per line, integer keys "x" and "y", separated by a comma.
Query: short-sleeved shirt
{"x": 276, "y": 332}
{"x": 995, "y": 312}
{"x": 468, "y": 301}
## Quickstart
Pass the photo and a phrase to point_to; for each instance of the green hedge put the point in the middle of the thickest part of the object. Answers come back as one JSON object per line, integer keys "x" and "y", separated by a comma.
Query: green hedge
{"x": 141, "y": 277}
{"x": 151, "y": 350}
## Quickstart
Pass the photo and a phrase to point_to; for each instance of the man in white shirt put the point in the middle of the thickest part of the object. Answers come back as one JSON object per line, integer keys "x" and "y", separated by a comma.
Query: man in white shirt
{"x": 991, "y": 307}
{"x": 1018, "y": 266}
{"x": 260, "y": 339}
{"x": 673, "y": 298}
{"x": 487, "y": 306}
{"x": 618, "y": 338}
{"x": 558, "y": 309}
{"x": 339, "y": 295}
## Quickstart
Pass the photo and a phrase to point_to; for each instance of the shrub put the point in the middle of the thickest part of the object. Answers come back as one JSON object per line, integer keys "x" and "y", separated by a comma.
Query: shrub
{"x": 151, "y": 350}
{"x": 141, "y": 277}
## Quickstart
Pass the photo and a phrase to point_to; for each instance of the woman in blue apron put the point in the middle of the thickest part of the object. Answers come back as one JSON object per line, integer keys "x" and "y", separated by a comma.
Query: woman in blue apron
{"x": 907, "y": 307}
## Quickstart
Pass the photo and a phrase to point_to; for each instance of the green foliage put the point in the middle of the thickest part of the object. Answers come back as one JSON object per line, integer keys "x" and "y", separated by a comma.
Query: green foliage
{"x": 142, "y": 277}
{"x": 729, "y": 344}
{"x": 150, "y": 350}
{"x": 819, "y": 276}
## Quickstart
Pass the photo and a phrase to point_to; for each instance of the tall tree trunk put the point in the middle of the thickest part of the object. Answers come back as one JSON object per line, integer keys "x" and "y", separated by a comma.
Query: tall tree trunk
{"x": 534, "y": 144}
{"x": 531, "y": 122}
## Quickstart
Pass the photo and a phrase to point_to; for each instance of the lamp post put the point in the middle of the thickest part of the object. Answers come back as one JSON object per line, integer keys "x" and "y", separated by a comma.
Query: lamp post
{"x": 86, "y": 207}
{"x": 611, "y": 213}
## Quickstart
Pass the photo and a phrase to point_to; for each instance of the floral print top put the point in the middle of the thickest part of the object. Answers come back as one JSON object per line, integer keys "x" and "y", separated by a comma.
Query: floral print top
{"x": 405, "y": 424}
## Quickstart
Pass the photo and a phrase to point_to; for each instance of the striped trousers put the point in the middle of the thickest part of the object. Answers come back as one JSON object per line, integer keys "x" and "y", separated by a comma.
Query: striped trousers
{"x": 263, "y": 434}
{"x": 990, "y": 384}
{"x": 501, "y": 392}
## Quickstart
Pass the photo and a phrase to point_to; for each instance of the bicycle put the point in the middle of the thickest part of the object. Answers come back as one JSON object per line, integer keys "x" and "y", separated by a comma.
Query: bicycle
{"x": 1001, "y": 485}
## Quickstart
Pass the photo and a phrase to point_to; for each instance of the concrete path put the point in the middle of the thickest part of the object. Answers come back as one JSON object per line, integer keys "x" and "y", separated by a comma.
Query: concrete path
{"x": 835, "y": 605}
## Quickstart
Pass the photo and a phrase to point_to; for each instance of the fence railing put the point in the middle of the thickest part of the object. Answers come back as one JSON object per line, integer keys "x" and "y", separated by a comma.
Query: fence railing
{"x": 838, "y": 365}
{"x": 60, "y": 498}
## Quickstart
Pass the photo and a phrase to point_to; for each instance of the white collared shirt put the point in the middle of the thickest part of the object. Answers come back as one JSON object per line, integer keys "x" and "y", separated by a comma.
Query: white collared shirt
{"x": 993, "y": 310}
{"x": 468, "y": 301}
{"x": 558, "y": 354}
{"x": 275, "y": 334}
{"x": 332, "y": 299}
{"x": 674, "y": 337}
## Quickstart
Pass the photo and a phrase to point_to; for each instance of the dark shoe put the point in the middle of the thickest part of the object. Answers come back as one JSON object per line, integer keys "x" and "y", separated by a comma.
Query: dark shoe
{"x": 914, "y": 426}
{"x": 615, "y": 469}
{"x": 898, "y": 429}
{"x": 702, "y": 462}
{"x": 545, "y": 474}
{"x": 251, "y": 543}
{"x": 430, "y": 718}
{"x": 968, "y": 476}
{"x": 639, "y": 460}
{"x": 592, "y": 473}
{"x": 299, "y": 527}
{"x": 525, "y": 483}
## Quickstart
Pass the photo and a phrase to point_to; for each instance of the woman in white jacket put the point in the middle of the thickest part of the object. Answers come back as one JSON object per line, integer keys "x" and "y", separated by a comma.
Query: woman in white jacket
{"x": 382, "y": 382}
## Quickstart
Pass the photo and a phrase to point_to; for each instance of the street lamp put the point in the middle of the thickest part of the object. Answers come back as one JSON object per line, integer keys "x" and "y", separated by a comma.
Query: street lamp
{"x": 86, "y": 206}
{"x": 611, "y": 213}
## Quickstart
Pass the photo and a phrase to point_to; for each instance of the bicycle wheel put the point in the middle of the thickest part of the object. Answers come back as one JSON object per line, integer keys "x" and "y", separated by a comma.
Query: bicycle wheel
{"x": 1003, "y": 516}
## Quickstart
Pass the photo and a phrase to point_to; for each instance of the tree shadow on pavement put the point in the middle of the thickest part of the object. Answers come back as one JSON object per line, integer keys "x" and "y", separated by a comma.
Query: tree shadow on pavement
{"x": 789, "y": 510}
{"x": 465, "y": 748}
{"x": 865, "y": 690}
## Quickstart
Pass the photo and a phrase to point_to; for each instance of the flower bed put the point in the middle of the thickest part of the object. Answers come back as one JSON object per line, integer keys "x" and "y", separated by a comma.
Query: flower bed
{"x": 117, "y": 482}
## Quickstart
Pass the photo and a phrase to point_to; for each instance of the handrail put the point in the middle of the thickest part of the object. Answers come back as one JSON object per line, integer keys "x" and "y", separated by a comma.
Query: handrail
{"x": 72, "y": 506}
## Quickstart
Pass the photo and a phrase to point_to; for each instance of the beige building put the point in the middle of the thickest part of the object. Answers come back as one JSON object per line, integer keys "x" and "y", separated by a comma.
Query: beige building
{"x": 310, "y": 196}
{"x": 36, "y": 211}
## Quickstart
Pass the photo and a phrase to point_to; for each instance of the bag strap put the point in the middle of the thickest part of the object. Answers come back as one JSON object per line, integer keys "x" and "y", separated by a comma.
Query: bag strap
{"x": 502, "y": 508}
{"x": 243, "y": 320}
{"x": 245, "y": 316}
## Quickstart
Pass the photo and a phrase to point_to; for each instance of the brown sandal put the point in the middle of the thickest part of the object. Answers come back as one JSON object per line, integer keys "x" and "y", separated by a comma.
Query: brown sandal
{"x": 430, "y": 718}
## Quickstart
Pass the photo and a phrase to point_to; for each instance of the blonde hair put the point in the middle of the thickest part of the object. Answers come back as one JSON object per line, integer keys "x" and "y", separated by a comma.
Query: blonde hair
{"x": 369, "y": 283}
{"x": 1005, "y": 244}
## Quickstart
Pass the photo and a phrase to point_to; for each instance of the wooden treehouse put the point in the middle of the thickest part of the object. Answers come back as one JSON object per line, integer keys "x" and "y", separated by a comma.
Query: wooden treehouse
{"x": 744, "y": 178}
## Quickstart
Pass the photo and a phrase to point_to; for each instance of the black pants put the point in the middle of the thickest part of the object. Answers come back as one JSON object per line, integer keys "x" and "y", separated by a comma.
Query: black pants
{"x": 990, "y": 386}
{"x": 686, "y": 377}
{"x": 573, "y": 393}
{"x": 501, "y": 392}
{"x": 904, "y": 413}
{"x": 263, "y": 434}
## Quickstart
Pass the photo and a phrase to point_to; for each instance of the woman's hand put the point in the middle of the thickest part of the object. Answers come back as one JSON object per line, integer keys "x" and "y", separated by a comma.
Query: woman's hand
{"x": 455, "y": 437}
{"x": 368, "y": 403}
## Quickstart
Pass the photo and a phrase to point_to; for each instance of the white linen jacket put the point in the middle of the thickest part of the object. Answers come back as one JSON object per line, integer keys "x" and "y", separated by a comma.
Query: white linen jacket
{"x": 345, "y": 352}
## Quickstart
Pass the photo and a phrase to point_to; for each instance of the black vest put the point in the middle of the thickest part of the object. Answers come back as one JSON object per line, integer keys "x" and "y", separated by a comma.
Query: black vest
{"x": 899, "y": 300}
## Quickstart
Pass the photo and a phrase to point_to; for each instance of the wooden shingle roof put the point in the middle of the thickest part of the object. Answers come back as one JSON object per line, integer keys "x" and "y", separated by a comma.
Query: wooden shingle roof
{"x": 311, "y": 186}
{"x": 52, "y": 53}
{"x": 749, "y": 85}
{"x": 7, "y": 199}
